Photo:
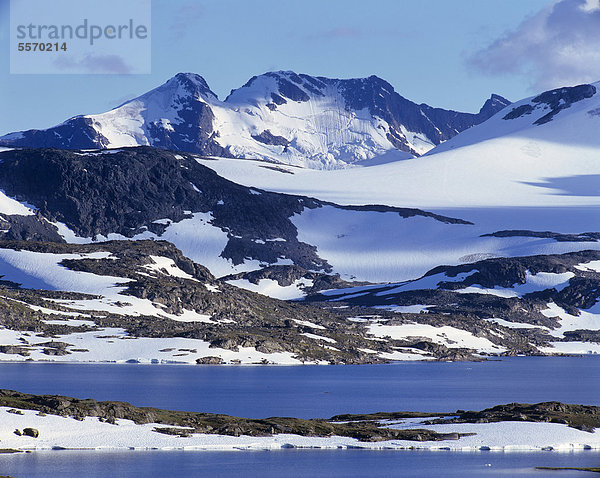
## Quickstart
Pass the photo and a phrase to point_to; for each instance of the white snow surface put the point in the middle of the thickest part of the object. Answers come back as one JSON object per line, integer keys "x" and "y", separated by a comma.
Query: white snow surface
{"x": 272, "y": 288}
{"x": 534, "y": 283}
{"x": 446, "y": 335}
{"x": 56, "y": 432}
{"x": 309, "y": 324}
{"x": 514, "y": 325}
{"x": 319, "y": 337}
{"x": 10, "y": 206}
{"x": 114, "y": 345}
{"x": 587, "y": 319}
{"x": 37, "y": 270}
{"x": 385, "y": 247}
{"x": 168, "y": 266}
{"x": 593, "y": 266}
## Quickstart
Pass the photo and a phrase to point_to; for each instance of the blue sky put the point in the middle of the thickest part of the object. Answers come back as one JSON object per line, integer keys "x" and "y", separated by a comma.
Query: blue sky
{"x": 451, "y": 54}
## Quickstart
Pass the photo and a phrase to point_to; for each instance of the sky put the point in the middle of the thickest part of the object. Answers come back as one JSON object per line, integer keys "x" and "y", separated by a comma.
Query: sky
{"x": 449, "y": 54}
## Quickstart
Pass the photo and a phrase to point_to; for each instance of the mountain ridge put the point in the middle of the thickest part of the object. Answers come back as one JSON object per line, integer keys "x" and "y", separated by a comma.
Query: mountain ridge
{"x": 281, "y": 116}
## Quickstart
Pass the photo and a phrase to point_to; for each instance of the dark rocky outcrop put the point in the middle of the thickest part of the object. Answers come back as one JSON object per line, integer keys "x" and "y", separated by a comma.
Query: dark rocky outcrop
{"x": 403, "y": 212}
{"x": 562, "y": 98}
{"x": 582, "y": 417}
{"x": 31, "y": 432}
{"x": 267, "y": 137}
{"x": 592, "y": 336}
{"x": 209, "y": 360}
{"x": 27, "y": 228}
{"x": 567, "y": 468}
{"x": 558, "y": 237}
{"x": 555, "y": 100}
{"x": 519, "y": 111}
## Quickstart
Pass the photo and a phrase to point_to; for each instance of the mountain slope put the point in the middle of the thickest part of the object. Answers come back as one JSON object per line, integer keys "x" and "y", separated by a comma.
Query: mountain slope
{"x": 540, "y": 152}
{"x": 147, "y": 193}
{"x": 566, "y": 115}
{"x": 278, "y": 116}
{"x": 338, "y": 120}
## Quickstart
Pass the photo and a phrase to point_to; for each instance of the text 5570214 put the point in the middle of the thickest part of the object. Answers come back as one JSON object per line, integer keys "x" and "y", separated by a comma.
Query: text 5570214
{"x": 42, "y": 46}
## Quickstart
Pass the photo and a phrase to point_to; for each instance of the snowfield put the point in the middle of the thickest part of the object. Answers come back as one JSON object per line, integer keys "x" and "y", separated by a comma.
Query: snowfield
{"x": 499, "y": 175}
{"x": 448, "y": 336}
{"x": 11, "y": 206}
{"x": 113, "y": 345}
{"x": 383, "y": 247}
{"x": 273, "y": 289}
{"x": 58, "y": 433}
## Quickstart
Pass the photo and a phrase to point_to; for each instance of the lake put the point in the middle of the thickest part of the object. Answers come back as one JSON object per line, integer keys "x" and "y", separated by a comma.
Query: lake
{"x": 292, "y": 464}
{"x": 308, "y": 392}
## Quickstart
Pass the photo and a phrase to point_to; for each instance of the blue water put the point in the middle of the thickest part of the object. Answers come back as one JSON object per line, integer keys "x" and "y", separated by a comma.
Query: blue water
{"x": 292, "y": 464}
{"x": 308, "y": 391}
{"x": 319, "y": 391}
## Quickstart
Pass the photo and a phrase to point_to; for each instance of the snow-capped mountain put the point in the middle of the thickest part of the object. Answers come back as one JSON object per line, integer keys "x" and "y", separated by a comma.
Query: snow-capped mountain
{"x": 542, "y": 151}
{"x": 280, "y": 116}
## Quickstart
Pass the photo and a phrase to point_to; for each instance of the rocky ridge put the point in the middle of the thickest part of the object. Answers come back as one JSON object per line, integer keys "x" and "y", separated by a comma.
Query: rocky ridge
{"x": 267, "y": 118}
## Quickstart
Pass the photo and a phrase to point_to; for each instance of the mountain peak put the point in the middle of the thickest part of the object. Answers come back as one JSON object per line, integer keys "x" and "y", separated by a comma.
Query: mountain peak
{"x": 499, "y": 98}
{"x": 191, "y": 83}
{"x": 494, "y": 104}
{"x": 277, "y": 87}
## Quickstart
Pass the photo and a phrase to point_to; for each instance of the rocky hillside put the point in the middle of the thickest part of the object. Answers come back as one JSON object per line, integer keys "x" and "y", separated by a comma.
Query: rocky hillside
{"x": 556, "y": 296}
{"x": 145, "y": 301}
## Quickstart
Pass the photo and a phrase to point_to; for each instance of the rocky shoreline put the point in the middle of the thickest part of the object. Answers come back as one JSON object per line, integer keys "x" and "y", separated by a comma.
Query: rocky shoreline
{"x": 391, "y": 428}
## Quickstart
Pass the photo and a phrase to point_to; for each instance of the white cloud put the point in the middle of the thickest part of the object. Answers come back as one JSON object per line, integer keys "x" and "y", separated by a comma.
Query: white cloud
{"x": 558, "y": 46}
{"x": 590, "y": 6}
